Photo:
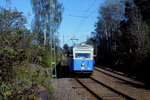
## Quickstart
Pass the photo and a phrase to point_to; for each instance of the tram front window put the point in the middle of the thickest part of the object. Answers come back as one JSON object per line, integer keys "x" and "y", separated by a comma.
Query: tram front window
{"x": 82, "y": 55}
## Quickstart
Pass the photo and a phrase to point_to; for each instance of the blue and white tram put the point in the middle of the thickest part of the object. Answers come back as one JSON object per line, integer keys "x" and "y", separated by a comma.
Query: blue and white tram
{"x": 82, "y": 59}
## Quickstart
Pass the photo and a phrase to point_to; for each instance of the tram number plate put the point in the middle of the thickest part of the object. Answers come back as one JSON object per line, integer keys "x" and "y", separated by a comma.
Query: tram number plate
{"x": 82, "y": 67}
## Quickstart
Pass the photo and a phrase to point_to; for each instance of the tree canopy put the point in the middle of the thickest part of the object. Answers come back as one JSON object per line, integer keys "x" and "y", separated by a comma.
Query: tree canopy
{"x": 47, "y": 18}
{"x": 24, "y": 62}
{"x": 122, "y": 35}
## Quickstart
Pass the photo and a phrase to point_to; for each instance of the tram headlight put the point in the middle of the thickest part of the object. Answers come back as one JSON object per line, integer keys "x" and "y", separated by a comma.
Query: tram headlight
{"x": 82, "y": 64}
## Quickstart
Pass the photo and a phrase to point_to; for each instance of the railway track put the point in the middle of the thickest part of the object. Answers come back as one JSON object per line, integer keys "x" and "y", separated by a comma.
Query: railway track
{"x": 119, "y": 76}
{"x": 102, "y": 91}
{"x": 123, "y": 84}
{"x": 110, "y": 85}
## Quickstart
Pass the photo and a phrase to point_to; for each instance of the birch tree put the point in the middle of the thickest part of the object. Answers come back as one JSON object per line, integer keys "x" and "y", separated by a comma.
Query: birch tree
{"x": 47, "y": 18}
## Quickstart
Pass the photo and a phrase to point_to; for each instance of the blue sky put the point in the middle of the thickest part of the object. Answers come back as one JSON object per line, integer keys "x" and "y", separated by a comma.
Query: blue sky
{"x": 79, "y": 17}
{"x": 74, "y": 23}
{"x": 22, "y": 6}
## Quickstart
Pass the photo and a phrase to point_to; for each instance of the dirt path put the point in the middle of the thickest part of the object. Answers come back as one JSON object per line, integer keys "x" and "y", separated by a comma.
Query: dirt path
{"x": 64, "y": 90}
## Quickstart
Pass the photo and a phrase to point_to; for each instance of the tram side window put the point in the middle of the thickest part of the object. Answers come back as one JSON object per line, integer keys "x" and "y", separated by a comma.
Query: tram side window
{"x": 82, "y": 55}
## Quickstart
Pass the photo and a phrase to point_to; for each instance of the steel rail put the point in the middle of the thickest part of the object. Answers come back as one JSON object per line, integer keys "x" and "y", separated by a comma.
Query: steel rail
{"x": 122, "y": 79}
{"x": 113, "y": 90}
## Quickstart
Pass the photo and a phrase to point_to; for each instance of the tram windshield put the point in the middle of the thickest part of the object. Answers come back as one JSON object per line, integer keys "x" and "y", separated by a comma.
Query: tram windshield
{"x": 82, "y": 55}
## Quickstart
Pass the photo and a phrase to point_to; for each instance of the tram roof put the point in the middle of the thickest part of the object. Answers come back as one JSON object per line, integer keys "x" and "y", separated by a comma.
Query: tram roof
{"x": 82, "y": 46}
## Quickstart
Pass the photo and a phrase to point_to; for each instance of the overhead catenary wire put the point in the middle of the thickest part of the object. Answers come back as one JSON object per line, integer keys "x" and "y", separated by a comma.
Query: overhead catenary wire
{"x": 84, "y": 18}
{"x": 78, "y": 16}
{"x": 69, "y": 36}
{"x": 91, "y": 5}
{"x": 69, "y": 40}
{"x": 86, "y": 15}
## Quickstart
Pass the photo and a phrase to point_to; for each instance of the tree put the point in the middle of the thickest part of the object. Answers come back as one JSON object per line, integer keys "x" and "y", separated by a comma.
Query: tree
{"x": 11, "y": 21}
{"x": 106, "y": 28}
{"x": 21, "y": 70}
{"x": 143, "y": 6}
{"x": 144, "y": 9}
{"x": 48, "y": 16}
{"x": 136, "y": 26}
{"x": 66, "y": 48}
{"x": 12, "y": 53}
{"x": 12, "y": 30}
{"x": 112, "y": 14}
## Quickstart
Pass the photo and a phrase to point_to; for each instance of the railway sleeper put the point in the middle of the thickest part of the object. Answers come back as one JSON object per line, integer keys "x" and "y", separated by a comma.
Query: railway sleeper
{"x": 104, "y": 95}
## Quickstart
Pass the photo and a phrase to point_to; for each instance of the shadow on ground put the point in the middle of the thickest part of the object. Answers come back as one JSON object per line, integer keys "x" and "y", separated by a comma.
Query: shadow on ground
{"x": 64, "y": 72}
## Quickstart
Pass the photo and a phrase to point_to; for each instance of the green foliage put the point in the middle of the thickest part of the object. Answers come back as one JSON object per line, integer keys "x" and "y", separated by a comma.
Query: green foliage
{"x": 21, "y": 59}
{"x": 5, "y": 91}
{"x": 47, "y": 19}
{"x": 10, "y": 55}
{"x": 11, "y": 21}
{"x": 46, "y": 61}
{"x": 28, "y": 77}
{"x": 122, "y": 36}
{"x": 46, "y": 57}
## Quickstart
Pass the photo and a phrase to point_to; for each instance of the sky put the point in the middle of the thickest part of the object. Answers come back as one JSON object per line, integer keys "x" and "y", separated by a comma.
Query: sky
{"x": 22, "y": 6}
{"x": 79, "y": 18}
{"x": 78, "y": 22}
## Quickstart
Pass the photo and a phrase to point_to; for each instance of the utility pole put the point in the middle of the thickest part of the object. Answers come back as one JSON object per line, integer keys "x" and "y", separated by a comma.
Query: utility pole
{"x": 52, "y": 44}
